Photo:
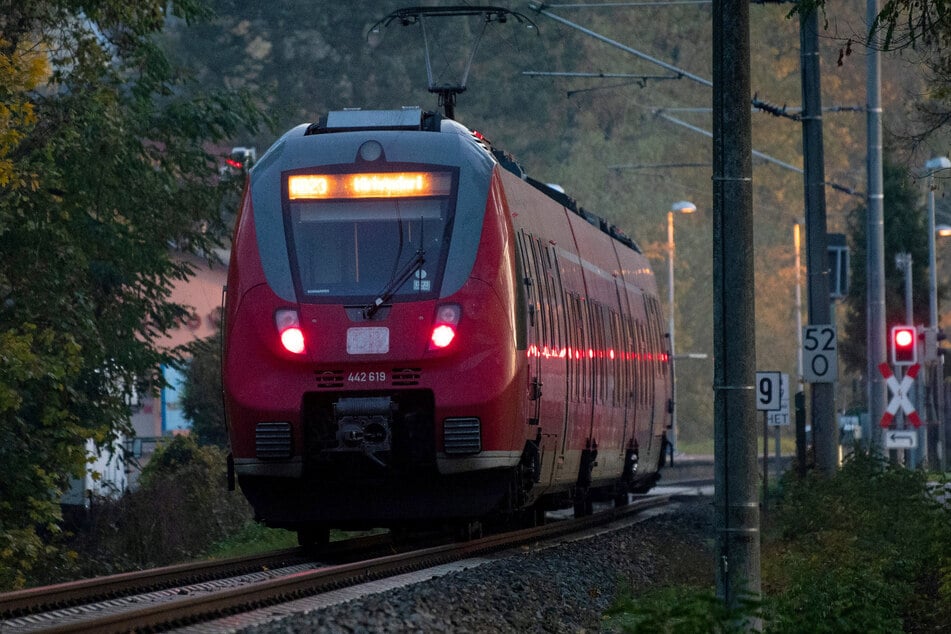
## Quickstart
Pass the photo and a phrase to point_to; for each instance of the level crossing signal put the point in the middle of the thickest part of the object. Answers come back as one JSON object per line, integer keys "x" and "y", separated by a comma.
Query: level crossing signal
{"x": 904, "y": 344}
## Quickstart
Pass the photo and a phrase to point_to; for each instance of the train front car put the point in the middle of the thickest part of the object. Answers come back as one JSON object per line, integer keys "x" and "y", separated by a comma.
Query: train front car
{"x": 371, "y": 371}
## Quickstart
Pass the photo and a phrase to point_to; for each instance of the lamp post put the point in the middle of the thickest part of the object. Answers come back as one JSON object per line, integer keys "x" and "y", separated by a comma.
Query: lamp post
{"x": 683, "y": 207}
{"x": 934, "y": 425}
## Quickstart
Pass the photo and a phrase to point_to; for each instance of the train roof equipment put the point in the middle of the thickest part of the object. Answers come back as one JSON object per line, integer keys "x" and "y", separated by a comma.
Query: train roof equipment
{"x": 409, "y": 16}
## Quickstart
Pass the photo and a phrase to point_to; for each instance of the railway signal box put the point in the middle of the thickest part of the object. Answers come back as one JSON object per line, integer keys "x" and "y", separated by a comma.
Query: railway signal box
{"x": 904, "y": 345}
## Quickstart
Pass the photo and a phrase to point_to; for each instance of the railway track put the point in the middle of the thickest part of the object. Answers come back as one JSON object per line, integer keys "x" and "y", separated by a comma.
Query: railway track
{"x": 175, "y": 596}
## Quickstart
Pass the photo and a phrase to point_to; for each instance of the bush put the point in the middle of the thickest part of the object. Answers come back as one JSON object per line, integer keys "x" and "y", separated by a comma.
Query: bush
{"x": 867, "y": 550}
{"x": 179, "y": 510}
{"x": 861, "y": 551}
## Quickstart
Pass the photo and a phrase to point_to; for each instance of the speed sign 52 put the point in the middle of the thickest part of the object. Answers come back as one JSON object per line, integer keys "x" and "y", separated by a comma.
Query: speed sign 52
{"x": 820, "y": 361}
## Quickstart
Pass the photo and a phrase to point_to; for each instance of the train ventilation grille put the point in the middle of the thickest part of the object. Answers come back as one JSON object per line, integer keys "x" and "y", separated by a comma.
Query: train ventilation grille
{"x": 329, "y": 378}
{"x": 406, "y": 376}
{"x": 462, "y": 436}
{"x": 272, "y": 441}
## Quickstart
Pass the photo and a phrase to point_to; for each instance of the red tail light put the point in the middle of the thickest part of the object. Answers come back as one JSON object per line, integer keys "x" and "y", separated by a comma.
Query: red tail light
{"x": 444, "y": 326}
{"x": 289, "y": 330}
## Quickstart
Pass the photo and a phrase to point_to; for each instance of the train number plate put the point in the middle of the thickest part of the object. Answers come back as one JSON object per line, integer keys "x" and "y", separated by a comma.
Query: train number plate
{"x": 368, "y": 340}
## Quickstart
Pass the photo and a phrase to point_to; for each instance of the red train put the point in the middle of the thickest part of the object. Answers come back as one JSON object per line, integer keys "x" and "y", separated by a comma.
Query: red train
{"x": 417, "y": 332}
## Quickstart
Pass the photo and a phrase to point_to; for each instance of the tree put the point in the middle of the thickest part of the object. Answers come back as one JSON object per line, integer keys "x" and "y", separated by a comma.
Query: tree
{"x": 922, "y": 26}
{"x": 202, "y": 402}
{"x": 103, "y": 166}
{"x": 905, "y": 231}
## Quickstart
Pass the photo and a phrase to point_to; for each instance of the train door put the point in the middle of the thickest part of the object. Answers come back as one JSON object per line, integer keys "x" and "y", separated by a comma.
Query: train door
{"x": 641, "y": 395}
{"x": 529, "y": 280}
{"x": 532, "y": 282}
{"x": 553, "y": 360}
{"x": 550, "y": 363}
{"x": 654, "y": 384}
{"x": 662, "y": 406}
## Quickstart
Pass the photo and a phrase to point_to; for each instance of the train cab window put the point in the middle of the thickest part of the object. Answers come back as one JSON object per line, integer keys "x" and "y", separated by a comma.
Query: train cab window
{"x": 351, "y": 248}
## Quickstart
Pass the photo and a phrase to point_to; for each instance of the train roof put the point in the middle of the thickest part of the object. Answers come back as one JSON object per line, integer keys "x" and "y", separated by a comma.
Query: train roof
{"x": 415, "y": 118}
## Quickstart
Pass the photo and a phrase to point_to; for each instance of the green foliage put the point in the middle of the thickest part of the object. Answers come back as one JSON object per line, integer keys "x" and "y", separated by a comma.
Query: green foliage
{"x": 905, "y": 230}
{"x": 103, "y": 166}
{"x": 867, "y": 550}
{"x": 177, "y": 513}
{"x": 679, "y": 610}
{"x": 201, "y": 401}
{"x": 859, "y": 552}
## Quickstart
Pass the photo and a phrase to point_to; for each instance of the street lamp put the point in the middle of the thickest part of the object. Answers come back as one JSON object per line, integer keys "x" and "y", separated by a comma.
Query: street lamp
{"x": 932, "y": 166}
{"x": 683, "y": 207}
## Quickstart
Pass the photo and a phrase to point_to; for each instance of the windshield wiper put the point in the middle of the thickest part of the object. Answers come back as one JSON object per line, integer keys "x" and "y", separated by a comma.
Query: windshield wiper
{"x": 387, "y": 293}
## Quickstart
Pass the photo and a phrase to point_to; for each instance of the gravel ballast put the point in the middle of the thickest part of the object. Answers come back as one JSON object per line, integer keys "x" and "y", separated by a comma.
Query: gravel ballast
{"x": 563, "y": 588}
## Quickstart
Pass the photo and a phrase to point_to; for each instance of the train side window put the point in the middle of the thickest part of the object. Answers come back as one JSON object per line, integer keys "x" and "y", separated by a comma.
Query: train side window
{"x": 593, "y": 352}
{"x": 528, "y": 282}
{"x": 602, "y": 354}
{"x": 521, "y": 306}
{"x": 652, "y": 326}
{"x": 541, "y": 292}
{"x": 558, "y": 307}
{"x": 642, "y": 363}
{"x": 578, "y": 349}
{"x": 570, "y": 343}
{"x": 617, "y": 367}
{"x": 654, "y": 318}
{"x": 651, "y": 338}
{"x": 544, "y": 270}
{"x": 584, "y": 369}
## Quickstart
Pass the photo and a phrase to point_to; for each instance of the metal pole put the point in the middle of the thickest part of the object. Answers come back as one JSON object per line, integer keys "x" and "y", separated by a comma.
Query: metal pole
{"x": 801, "y": 447}
{"x": 670, "y": 309}
{"x": 931, "y": 423}
{"x": 684, "y": 207}
{"x": 932, "y": 276}
{"x": 903, "y": 261}
{"x": 934, "y": 418}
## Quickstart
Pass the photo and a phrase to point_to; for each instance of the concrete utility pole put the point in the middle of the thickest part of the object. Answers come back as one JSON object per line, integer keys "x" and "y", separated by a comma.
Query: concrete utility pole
{"x": 824, "y": 427}
{"x": 736, "y": 514}
{"x": 875, "y": 237}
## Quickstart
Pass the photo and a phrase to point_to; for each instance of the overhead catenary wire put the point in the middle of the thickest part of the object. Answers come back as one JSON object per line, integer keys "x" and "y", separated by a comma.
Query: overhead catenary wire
{"x": 541, "y": 8}
{"x": 761, "y": 155}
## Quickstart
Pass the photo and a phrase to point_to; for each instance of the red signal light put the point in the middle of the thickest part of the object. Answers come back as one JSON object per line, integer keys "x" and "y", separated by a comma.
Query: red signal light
{"x": 904, "y": 345}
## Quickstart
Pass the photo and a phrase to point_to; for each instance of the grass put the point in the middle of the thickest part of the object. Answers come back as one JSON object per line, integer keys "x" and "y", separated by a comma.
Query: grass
{"x": 253, "y": 538}
{"x": 256, "y": 538}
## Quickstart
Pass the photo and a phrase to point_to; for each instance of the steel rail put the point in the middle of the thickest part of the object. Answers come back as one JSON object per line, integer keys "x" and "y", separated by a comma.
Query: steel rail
{"x": 195, "y": 609}
{"x": 45, "y": 598}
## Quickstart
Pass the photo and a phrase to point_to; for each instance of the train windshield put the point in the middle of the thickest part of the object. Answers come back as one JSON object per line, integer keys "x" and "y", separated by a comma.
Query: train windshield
{"x": 353, "y": 249}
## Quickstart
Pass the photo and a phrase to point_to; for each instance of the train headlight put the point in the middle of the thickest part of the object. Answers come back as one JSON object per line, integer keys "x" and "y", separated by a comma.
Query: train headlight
{"x": 287, "y": 322}
{"x": 444, "y": 326}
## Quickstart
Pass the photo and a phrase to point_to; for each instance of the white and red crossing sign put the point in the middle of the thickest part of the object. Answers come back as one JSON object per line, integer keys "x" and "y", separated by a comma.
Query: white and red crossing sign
{"x": 900, "y": 398}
